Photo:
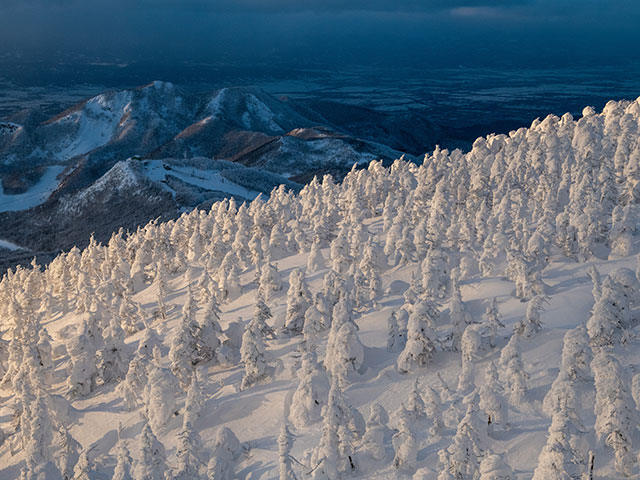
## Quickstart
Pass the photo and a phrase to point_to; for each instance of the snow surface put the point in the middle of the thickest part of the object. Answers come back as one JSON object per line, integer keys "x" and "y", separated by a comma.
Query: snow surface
{"x": 9, "y": 246}
{"x": 208, "y": 179}
{"x": 214, "y": 107}
{"x": 35, "y": 195}
{"x": 255, "y": 415}
{"x": 258, "y": 110}
{"x": 95, "y": 124}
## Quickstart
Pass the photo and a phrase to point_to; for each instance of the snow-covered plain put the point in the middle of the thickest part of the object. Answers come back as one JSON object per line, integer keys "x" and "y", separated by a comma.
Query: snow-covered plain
{"x": 543, "y": 222}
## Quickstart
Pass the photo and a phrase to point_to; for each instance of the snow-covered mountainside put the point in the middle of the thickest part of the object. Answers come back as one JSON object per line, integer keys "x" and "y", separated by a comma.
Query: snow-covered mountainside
{"x": 474, "y": 317}
{"x": 160, "y": 120}
{"x": 130, "y": 194}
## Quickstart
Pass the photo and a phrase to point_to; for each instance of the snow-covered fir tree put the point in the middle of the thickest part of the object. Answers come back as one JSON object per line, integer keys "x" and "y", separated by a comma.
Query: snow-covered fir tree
{"x": 373, "y": 441}
{"x": 311, "y": 393}
{"x": 159, "y": 396}
{"x": 404, "y": 443}
{"x": 298, "y": 300}
{"x": 531, "y": 323}
{"x": 124, "y": 462}
{"x": 420, "y": 346}
{"x": 558, "y": 458}
{"x": 253, "y": 355}
{"x": 492, "y": 402}
{"x": 512, "y": 370}
{"x": 183, "y": 353}
{"x": 491, "y": 321}
{"x": 615, "y": 410}
{"x": 285, "y": 444}
{"x": 151, "y": 463}
{"x": 538, "y": 210}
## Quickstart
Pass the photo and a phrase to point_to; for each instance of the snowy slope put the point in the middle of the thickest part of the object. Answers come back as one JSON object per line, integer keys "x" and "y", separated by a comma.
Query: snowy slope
{"x": 158, "y": 170}
{"x": 255, "y": 416}
{"x": 521, "y": 219}
{"x": 36, "y": 195}
{"x": 94, "y": 125}
{"x": 8, "y": 245}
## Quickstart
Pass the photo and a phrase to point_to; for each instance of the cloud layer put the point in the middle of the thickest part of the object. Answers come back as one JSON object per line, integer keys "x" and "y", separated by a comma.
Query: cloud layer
{"x": 431, "y": 31}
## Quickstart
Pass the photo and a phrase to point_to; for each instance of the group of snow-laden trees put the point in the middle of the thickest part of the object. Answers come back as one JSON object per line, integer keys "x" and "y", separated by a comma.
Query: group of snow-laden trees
{"x": 560, "y": 188}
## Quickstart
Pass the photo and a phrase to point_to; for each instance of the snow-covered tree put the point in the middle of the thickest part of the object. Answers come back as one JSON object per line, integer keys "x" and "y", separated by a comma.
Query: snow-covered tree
{"x": 45, "y": 354}
{"x": 159, "y": 394}
{"x": 67, "y": 452}
{"x": 558, "y": 459}
{"x": 187, "y": 453}
{"x": 470, "y": 345}
{"x": 342, "y": 426}
{"x": 298, "y": 300}
{"x": 310, "y": 396}
{"x": 459, "y": 317}
{"x": 373, "y": 441}
{"x": 492, "y": 402}
{"x": 616, "y": 415}
{"x": 37, "y": 449}
{"x": 161, "y": 282}
{"x": 531, "y": 323}
{"x": 83, "y": 468}
{"x": 340, "y": 255}
{"x": 433, "y": 409}
{"x": 494, "y": 467}
{"x": 151, "y": 463}
{"x": 83, "y": 370}
{"x": 285, "y": 444}
{"x": 415, "y": 403}
{"x": 124, "y": 462}
{"x": 195, "y": 398}
{"x": 226, "y": 451}
{"x": 270, "y": 281}
{"x": 253, "y": 355}
{"x": 315, "y": 261}
{"x": 467, "y": 445}
{"x": 597, "y": 282}
{"x": 261, "y": 314}
{"x": 421, "y": 337}
{"x": 132, "y": 387}
{"x": 405, "y": 443}
{"x": 183, "y": 353}
{"x": 397, "y": 330}
{"x": 513, "y": 374}
{"x": 314, "y": 322}
{"x": 347, "y": 354}
{"x": 435, "y": 274}
{"x": 576, "y": 354}
{"x": 491, "y": 321}
{"x": 606, "y": 323}
{"x": 113, "y": 361}
{"x": 209, "y": 331}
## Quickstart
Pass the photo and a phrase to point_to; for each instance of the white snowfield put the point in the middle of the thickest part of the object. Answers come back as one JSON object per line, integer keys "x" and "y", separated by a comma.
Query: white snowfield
{"x": 94, "y": 124}
{"x": 9, "y": 245}
{"x": 156, "y": 171}
{"x": 475, "y": 317}
{"x": 36, "y": 195}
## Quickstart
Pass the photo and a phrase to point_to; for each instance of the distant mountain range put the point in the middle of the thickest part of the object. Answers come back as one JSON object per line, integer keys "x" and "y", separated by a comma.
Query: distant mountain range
{"x": 124, "y": 157}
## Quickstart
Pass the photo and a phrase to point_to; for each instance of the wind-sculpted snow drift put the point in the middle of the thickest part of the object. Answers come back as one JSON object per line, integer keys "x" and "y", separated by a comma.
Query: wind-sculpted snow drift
{"x": 474, "y": 317}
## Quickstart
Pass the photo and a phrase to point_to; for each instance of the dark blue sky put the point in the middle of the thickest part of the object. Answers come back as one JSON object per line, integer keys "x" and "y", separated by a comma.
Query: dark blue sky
{"x": 471, "y": 32}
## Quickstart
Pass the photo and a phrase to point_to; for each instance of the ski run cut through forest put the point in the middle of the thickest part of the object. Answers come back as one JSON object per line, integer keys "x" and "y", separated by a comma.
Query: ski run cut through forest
{"x": 472, "y": 317}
